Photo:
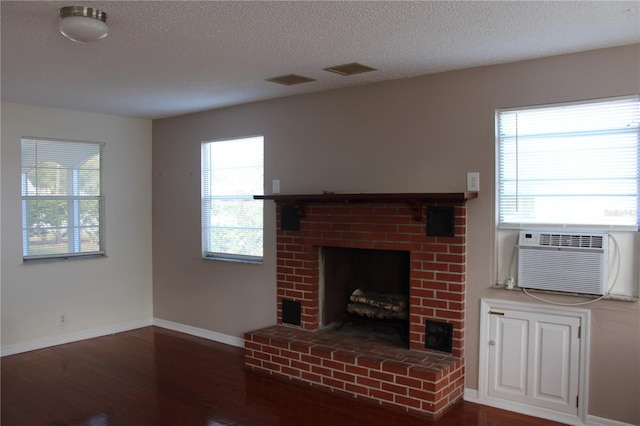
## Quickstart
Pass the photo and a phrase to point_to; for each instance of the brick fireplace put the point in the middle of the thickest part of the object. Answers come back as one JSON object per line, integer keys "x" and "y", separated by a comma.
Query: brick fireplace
{"x": 413, "y": 378}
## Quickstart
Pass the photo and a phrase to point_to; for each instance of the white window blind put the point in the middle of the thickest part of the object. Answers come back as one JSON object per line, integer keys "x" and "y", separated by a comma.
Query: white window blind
{"x": 62, "y": 201}
{"x": 570, "y": 164}
{"x": 232, "y": 221}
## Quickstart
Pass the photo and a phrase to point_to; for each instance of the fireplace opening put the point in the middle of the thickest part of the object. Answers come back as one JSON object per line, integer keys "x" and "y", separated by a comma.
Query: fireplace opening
{"x": 368, "y": 289}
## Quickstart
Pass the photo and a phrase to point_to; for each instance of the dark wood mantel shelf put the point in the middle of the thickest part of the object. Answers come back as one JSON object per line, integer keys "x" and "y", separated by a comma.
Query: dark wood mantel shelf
{"x": 415, "y": 200}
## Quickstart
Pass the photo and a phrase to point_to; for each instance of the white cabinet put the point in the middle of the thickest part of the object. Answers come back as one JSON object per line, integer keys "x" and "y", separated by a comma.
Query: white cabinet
{"x": 533, "y": 356}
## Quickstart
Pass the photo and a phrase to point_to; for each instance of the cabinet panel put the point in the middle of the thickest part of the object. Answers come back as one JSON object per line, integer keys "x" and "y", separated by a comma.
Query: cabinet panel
{"x": 508, "y": 371}
{"x": 555, "y": 370}
{"x": 534, "y": 359}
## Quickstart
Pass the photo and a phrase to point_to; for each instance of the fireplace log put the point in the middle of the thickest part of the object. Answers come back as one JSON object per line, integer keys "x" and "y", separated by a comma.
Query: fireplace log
{"x": 391, "y": 302}
{"x": 374, "y": 312}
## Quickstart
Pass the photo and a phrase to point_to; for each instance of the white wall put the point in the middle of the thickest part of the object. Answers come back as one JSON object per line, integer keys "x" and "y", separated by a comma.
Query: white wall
{"x": 98, "y": 295}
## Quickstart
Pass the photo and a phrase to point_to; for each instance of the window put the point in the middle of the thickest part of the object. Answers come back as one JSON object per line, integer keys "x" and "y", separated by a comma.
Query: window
{"x": 232, "y": 172}
{"x": 569, "y": 164}
{"x": 62, "y": 200}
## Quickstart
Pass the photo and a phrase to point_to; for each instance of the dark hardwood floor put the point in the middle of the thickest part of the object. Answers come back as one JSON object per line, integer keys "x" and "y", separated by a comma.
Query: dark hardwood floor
{"x": 154, "y": 376}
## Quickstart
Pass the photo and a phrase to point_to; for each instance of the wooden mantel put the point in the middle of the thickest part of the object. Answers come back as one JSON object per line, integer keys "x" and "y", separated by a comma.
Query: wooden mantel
{"x": 415, "y": 200}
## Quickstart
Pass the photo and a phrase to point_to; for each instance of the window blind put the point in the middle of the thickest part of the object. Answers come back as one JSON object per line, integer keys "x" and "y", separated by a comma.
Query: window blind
{"x": 62, "y": 202}
{"x": 570, "y": 164}
{"x": 232, "y": 221}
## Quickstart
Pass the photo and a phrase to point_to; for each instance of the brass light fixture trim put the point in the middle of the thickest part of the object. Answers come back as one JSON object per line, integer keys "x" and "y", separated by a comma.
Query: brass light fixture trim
{"x": 350, "y": 69}
{"x": 290, "y": 79}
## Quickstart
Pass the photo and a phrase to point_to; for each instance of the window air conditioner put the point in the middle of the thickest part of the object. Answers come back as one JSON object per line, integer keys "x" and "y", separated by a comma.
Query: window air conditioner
{"x": 563, "y": 261}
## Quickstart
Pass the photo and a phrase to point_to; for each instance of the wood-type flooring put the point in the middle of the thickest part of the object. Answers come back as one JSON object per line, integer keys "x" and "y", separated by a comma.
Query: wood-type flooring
{"x": 157, "y": 377}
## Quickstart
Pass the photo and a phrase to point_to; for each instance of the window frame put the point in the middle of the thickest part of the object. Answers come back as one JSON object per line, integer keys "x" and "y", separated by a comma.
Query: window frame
{"x": 207, "y": 198}
{"x": 73, "y": 210}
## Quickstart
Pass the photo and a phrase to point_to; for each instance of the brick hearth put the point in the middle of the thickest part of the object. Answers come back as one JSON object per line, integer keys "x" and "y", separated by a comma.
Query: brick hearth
{"x": 416, "y": 379}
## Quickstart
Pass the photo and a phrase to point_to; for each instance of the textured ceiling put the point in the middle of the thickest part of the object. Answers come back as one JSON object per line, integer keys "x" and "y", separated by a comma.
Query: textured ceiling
{"x": 166, "y": 58}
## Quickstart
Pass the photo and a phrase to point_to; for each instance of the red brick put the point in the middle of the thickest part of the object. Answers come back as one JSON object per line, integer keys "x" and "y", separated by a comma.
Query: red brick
{"x": 384, "y": 246}
{"x": 435, "y": 267}
{"x": 430, "y": 386}
{"x": 374, "y": 374}
{"x": 291, "y": 372}
{"x": 301, "y": 365}
{"x": 395, "y": 367}
{"x": 293, "y": 294}
{"x": 408, "y": 402}
{"x": 365, "y": 381}
{"x": 457, "y": 297}
{"x": 441, "y": 313}
{"x": 369, "y": 362}
{"x": 263, "y": 356}
{"x": 456, "y": 287}
{"x": 434, "y": 285}
{"x": 333, "y": 364}
{"x": 311, "y": 377}
{"x": 417, "y": 294}
{"x": 350, "y": 378}
{"x": 271, "y": 350}
{"x": 253, "y": 361}
{"x": 321, "y": 370}
{"x": 423, "y": 275}
{"x": 271, "y": 366}
{"x": 361, "y": 371}
{"x": 345, "y": 357}
{"x": 248, "y": 344}
{"x": 455, "y": 306}
{"x": 299, "y": 348}
{"x": 309, "y": 359}
{"x": 353, "y": 388}
{"x": 398, "y": 390}
{"x": 393, "y": 237}
{"x": 259, "y": 339}
{"x": 408, "y": 381}
{"x": 423, "y": 374}
{"x": 381, "y": 395}
{"x": 448, "y": 277}
{"x": 280, "y": 360}
{"x": 435, "y": 248}
{"x": 422, "y": 395}
{"x": 333, "y": 383}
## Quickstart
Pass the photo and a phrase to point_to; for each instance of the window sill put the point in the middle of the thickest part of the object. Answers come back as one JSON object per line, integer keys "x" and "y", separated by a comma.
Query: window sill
{"x": 34, "y": 260}
{"x": 232, "y": 260}
{"x": 617, "y": 297}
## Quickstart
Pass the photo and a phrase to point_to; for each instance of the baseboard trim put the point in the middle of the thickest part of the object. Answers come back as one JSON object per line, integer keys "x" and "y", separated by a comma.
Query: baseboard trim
{"x": 471, "y": 395}
{"x": 72, "y": 337}
{"x": 599, "y": 421}
{"x": 200, "y": 332}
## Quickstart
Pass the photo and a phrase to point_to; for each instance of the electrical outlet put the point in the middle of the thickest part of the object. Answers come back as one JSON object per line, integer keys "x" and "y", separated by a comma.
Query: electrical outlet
{"x": 473, "y": 181}
{"x": 275, "y": 186}
{"x": 62, "y": 319}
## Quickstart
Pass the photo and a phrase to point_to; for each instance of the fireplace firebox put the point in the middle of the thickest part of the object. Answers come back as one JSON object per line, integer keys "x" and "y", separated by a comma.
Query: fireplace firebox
{"x": 346, "y": 270}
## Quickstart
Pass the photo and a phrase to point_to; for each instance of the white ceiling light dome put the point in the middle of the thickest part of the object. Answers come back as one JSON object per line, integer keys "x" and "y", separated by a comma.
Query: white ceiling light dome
{"x": 83, "y": 24}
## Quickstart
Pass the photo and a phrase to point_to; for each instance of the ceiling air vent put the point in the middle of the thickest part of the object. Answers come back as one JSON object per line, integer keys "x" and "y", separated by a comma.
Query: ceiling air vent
{"x": 290, "y": 79}
{"x": 350, "y": 69}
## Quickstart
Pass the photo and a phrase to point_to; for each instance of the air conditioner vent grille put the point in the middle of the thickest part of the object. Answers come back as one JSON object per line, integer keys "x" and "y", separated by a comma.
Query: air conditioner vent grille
{"x": 571, "y": 240}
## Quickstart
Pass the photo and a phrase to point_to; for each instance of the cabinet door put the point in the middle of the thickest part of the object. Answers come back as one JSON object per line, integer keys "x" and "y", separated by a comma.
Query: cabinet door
{"x": 534, "y": 359}
{"x": 555, "y": 363}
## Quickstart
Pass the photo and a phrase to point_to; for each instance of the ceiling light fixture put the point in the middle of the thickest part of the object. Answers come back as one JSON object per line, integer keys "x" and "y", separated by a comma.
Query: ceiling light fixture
{"x": 83, "y": 24}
